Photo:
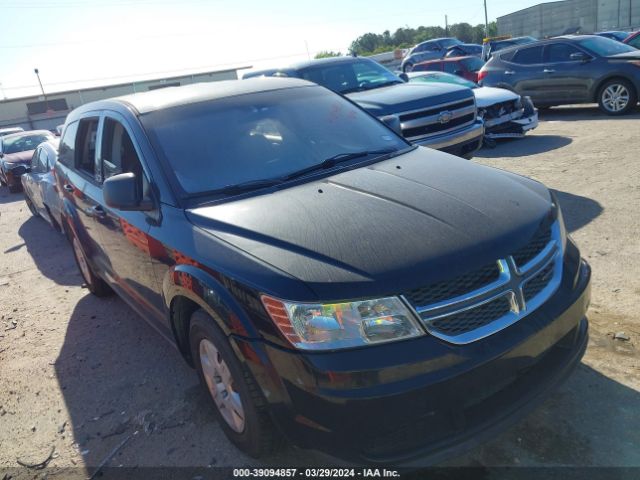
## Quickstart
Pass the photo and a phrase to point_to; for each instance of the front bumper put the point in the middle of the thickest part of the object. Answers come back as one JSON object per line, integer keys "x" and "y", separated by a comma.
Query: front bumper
{"x": 511, "y": 125}
{"x": 11, "y": 174}
{"x": 462, "y": 142}
{"x": 417, "y": 402}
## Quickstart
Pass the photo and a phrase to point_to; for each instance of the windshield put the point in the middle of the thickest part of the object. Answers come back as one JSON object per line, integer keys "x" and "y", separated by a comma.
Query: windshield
{"x": 473, "y": 64}
{"x": 350, "y": 77}
{"x": 261, "y": 136}
{"x": 441, "y": 77}
{"x": 23, "y": 143}
{"x": 604, "y": 47}
{"x": 448, "y": 42}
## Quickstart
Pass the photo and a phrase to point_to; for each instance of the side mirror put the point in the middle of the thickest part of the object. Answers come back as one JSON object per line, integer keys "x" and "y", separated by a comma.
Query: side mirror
{"x": 393, "y": 122}
{"x": 122, "y": 192}
{"x": 404, "y": 77}
{"x": 580, "y": 57}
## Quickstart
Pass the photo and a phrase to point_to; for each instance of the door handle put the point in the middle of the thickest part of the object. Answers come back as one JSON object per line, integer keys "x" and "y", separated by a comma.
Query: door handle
{"x": 68, "y": 188}
{"x": 509, "y": 72}
{"x": 548, "y": 70}
{"x": 96, "y": 211}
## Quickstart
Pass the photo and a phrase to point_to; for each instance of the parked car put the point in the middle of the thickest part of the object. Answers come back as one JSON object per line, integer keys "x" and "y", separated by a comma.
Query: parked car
{"x": 442, "y": 117}
{"x": 16, "y": 151}
{"x": 465, "y": 67}
{"x": 10, "y": 130}
{"x": 613, "y": 35}
{"x": 569, "y": 70}
{"x": 495, "y": 44}
{"x": 429, "y": 50}
{"x": 39, "y": 184}
{"x": 505, "y": 113}
{"x": 463, "y": 50}
{"x": 633, "y": 40}
{"x": 378, "y": 301}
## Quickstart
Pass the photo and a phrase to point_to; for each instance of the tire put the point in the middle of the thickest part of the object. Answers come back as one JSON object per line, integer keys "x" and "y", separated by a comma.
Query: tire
{"x": 32, "y": 208}
{"x": 407, "y": 67}
{"x": 215, "y": 360}
{"x": 617, "y": 97}
{"x": 14, "y": 188}
{"x": 95, "y": 284}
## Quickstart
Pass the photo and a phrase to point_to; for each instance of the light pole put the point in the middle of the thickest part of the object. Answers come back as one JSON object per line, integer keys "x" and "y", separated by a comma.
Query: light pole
{"x": 42, "y": 88}
{"x": 486, "y": 20}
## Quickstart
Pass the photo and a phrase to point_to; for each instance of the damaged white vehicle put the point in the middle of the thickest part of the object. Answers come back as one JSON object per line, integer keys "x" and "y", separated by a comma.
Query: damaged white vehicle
{"x": 505, "y": 113}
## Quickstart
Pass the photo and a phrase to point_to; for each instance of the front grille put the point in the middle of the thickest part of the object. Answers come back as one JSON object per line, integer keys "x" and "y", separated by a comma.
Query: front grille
{"x": 438, "y": 127}
{"x": 485, "y": 300}
{"x": 540, "y": 240}
{"x": 536, "y": 284}
{"x": 433, "y": 120}
{"x": 460, "y": 285}
{"x": 468, "y": 320}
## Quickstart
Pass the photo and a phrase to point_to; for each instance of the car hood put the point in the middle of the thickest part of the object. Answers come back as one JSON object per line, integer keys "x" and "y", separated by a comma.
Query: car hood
{"x": 384, "y": 228}
{"x": 626, "y": 56}
{"x": 402, "y": 97}
{"x": 18, "y": 157}
{"x": 487, "y": 96}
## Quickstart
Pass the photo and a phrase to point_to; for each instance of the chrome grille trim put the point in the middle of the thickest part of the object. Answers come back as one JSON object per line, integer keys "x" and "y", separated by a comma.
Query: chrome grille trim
{"x": 433, "y": 119}
{"x": 510, "y": 283}
{"x": 432, "y": 114}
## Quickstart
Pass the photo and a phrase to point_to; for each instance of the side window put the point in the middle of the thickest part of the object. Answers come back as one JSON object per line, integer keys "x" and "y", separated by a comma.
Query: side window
{"x": 119, "y": 155}
{"x": 560, "y": 52}
{"x": 34, "y": 160}
{"x": 67, "y": 145}
{"x": 43, "y": 163}
{"x": 635, "y": 42}
{"x": 86, "y": 146}
{"x": 528, "y": 56}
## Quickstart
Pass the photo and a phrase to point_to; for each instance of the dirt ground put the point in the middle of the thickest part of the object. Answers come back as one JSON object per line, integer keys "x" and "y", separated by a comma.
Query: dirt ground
{"x": 84, "y": 376}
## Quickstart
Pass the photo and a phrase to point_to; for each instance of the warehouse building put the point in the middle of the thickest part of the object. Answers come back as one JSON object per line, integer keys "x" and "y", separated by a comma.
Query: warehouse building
{"x": 556, "y": 18}
{"x": 38, "y": 112}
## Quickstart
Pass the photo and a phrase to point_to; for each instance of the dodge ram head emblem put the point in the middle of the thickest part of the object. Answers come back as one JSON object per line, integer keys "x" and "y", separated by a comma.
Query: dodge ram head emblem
{"x": 445, "y": 117}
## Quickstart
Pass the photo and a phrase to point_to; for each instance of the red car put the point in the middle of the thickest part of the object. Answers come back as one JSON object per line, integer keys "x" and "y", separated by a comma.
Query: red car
{"x": 466, "y": 67}
{"x": 633, "y": 40}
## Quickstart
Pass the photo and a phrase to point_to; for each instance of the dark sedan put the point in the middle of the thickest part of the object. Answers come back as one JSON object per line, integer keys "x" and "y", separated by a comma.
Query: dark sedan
{"x": 569, "y": 70}
{"x": 16, "y": 151}
{"x": 386, "y": 303}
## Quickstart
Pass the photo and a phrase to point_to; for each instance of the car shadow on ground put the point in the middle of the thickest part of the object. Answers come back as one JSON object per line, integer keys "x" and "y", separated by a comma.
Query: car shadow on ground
{"x": 42, "y": 241}
{"x": 522, "y": 147}
{"x": 573, "y": 113}
{"x": 577, "y": 211}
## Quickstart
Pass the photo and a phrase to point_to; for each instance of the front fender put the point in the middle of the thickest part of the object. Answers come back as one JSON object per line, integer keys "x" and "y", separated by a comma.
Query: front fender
{"x": 209, "y": 294}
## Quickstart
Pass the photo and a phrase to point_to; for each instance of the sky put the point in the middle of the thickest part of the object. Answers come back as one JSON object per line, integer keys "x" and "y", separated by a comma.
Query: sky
{"x": 81, "y": 43}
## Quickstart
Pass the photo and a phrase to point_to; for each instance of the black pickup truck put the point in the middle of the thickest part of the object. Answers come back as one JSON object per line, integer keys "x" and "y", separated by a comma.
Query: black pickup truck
{"x": 443, "y": 117}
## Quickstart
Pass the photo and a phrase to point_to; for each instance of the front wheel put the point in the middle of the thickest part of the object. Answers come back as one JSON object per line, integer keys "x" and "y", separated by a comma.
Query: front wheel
{"x": 239, "y": 404}
{"x": 408, "y": 67}
{"x": 31, "y": 206}
{"x": 617, "y": 97}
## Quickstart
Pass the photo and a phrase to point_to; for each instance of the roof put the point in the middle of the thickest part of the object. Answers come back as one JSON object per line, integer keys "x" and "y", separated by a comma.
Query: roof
{"x": 169, "y": 97}
{"x": 27, "y": 133}
{"x": 327, "y": 61}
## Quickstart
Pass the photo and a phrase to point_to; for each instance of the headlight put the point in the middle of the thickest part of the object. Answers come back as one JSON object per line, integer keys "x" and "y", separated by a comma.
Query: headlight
{"x": 328, "y": 326}
{"x": 557, "y": 214}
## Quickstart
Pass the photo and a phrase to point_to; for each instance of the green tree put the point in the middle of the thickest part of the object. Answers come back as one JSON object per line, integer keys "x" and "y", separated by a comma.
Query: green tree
{"x": 327, "y": 54}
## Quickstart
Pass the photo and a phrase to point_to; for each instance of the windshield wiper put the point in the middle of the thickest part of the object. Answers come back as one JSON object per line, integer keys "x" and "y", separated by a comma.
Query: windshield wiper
{"x": 336, "y": 159}
{"x": 245, "y": 186}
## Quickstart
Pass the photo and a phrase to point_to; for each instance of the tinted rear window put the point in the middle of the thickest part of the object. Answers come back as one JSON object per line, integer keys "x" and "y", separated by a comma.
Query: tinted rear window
{"x": 261, "y": 136}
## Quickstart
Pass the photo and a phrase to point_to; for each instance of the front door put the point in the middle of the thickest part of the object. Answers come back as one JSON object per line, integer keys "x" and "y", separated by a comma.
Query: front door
{"x": 124, "y": 235}
{"x": 566, "y": 80}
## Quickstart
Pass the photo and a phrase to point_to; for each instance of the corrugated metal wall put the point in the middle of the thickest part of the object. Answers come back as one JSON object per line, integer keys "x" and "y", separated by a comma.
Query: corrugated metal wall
{"x": 549, "y": 19}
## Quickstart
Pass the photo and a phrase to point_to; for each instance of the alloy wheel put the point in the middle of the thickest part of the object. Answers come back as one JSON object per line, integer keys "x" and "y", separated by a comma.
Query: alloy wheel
{"x": 615, "y": 97}
{"x": 221, "y": 386}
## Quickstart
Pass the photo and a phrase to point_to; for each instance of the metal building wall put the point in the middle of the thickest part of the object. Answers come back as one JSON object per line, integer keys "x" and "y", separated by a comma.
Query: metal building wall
{"x": 549, "y": 19}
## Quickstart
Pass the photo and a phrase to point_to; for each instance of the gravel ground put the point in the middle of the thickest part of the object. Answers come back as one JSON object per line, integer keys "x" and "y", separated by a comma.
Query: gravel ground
{"x": 82, "y": 375}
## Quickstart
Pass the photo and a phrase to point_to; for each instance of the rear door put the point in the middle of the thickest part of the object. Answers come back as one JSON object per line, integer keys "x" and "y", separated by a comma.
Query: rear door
{"x": 566, "y": 80}
{"x": 524, "y": 71}
{"x": 124, "y": 235}
{"x": 80, "y": 182}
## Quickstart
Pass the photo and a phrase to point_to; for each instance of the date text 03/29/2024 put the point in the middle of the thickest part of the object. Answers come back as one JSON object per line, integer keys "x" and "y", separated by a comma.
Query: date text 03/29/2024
{"x": 315, "y": 473}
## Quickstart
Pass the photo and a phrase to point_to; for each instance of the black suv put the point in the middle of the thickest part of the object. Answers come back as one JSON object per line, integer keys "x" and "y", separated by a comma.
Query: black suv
{"x": 569, "y": 70}
{"x": 379, "y": 301}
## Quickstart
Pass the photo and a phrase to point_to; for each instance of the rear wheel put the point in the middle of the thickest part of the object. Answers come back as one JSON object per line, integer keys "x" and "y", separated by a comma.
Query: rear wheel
{"x": 239, "y": 404}
{"x": 408, "y": 67}
{"x": 95, "y": 284}
{"x": 32, "y": 207}
{"x": 617, "y": 97}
